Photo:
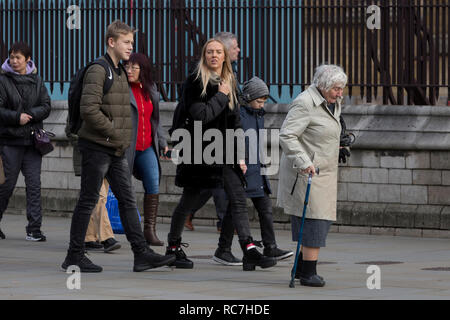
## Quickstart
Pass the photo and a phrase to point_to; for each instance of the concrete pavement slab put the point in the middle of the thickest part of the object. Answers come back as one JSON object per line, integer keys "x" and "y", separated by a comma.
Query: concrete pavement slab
{"x": 31, "y": 270}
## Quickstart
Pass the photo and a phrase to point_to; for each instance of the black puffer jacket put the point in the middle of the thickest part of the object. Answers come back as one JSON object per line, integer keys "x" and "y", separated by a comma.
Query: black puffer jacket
{"x": 21, "y": 94}
{"x": 213, "y": 112}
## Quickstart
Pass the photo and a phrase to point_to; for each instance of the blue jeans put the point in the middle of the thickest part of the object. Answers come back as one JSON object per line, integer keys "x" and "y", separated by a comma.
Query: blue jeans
{"x": 146, "y": 164}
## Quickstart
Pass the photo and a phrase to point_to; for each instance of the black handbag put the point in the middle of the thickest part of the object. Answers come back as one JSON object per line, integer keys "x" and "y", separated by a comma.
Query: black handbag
{"x": 42, "y": 141}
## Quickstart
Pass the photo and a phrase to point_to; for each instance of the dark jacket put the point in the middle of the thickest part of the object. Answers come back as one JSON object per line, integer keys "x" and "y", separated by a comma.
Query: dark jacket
{"x": 158, "y": 139}
{"x": 257, "y": 184}
{"x": 106, "y": 118}
{"x": 213, "y": 112}
{"x": 21, "y": 94}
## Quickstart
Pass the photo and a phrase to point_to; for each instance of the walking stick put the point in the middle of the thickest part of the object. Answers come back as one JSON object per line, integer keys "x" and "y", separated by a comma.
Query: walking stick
{"x": 300, "y": 236}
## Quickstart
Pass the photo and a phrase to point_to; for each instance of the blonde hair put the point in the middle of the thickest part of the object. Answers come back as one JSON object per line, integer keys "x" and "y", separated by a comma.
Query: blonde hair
{"x": 227, "y": 76}
{"x": 116, "y": 28}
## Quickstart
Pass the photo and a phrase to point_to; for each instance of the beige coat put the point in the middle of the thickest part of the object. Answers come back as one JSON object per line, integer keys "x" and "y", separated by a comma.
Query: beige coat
{"x": 309, "y": 135}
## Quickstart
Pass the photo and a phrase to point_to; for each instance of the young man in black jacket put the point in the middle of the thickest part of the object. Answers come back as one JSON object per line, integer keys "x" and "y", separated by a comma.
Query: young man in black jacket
{"x": 103, "y": 138}
{"x": 24, "y": 104}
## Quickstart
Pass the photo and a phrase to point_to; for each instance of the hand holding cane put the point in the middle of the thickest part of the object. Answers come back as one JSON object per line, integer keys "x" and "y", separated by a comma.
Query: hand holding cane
{"x": 300, "y": 236}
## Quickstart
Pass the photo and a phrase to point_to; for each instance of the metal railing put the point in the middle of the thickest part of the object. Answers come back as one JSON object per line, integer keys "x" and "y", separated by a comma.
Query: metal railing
{"x": 405, "y": 61}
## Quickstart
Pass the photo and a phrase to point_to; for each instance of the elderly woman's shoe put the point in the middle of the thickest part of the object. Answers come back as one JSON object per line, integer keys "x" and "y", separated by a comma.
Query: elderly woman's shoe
{"x": 298, "y": 271}
{"x": 312, "y": 281}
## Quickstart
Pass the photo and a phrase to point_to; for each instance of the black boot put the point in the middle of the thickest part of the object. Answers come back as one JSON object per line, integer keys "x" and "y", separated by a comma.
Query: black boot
{"x": 2, "y": 235}
{"x": 81, "y": 261}
{"x": 148, "y": 259}
{"x": 181, "y": 261}
{"x": 252, "y": 257}
{"x": 298, "y": 271}
{"x": 308, "y": 275}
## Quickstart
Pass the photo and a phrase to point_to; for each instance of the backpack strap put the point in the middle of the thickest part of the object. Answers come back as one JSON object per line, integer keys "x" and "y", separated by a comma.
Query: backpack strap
{"x": 109, "y": 79}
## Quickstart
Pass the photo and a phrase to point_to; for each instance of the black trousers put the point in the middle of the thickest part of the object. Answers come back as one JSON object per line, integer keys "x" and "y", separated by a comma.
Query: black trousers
{"x": 192, "y": 197}
{"x": 97, "y": 165}
{"x": 28, "y": 160}
{"x": 263, "y": 206}
{"x": 220, "y": 201}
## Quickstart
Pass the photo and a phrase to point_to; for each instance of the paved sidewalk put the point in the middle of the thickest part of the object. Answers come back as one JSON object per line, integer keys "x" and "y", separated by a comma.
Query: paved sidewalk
{"x": 32, "y": 270}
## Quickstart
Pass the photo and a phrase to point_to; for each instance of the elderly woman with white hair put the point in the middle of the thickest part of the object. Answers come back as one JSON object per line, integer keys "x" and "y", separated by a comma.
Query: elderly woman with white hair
{"x": 309, "y": 138}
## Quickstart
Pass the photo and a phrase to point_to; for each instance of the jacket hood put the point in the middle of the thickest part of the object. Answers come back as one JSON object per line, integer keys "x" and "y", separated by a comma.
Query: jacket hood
{"x": 6, "y": 67}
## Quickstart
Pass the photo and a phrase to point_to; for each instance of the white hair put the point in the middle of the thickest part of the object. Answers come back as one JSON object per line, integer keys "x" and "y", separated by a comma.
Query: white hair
{"x": 328, "y": 76}
{"x": 227, "y": 38}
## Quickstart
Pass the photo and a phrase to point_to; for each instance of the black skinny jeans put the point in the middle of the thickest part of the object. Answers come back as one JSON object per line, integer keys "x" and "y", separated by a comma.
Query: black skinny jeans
{"x": 97, "y": 165}
{"x": 220, "y": 201}
{"x": 191, "y": 198}
{"x": 263, "y": 206}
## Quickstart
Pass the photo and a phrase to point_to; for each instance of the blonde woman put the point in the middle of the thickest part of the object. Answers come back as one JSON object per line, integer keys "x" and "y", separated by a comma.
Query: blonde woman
{"x": 209, "y": 97}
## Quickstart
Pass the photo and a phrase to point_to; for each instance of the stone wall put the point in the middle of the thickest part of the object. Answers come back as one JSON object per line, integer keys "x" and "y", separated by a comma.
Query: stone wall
{"x": 397, "y": 180}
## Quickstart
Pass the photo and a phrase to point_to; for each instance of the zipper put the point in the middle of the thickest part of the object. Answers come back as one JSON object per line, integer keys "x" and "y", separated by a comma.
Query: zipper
{"x": 143, "y": 119}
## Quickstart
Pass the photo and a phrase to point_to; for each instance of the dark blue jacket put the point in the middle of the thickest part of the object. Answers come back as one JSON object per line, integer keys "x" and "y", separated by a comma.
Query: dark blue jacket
{"x": 257, "y": 184}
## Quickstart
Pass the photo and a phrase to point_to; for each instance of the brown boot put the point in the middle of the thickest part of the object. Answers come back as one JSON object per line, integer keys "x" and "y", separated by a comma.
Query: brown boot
{"x": 150, "y": 213}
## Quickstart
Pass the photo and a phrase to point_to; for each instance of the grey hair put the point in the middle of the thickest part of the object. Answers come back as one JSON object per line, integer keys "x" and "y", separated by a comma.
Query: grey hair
{"x": 327, "y": 76}
{"x": 226, "y": 38}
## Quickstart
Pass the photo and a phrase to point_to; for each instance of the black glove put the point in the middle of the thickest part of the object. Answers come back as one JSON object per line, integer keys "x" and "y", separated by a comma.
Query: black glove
{"x": 343, "y": 153}
{"x": 346, "y": 139}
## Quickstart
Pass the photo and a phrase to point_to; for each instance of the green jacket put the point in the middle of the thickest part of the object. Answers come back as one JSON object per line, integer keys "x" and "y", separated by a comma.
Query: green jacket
{"x": 106, "y": 118}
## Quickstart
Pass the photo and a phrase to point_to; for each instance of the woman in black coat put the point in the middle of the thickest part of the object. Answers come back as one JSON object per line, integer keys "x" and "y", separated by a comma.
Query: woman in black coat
{"x": 209, "y": 99}
{"x": 24, "y": 104}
